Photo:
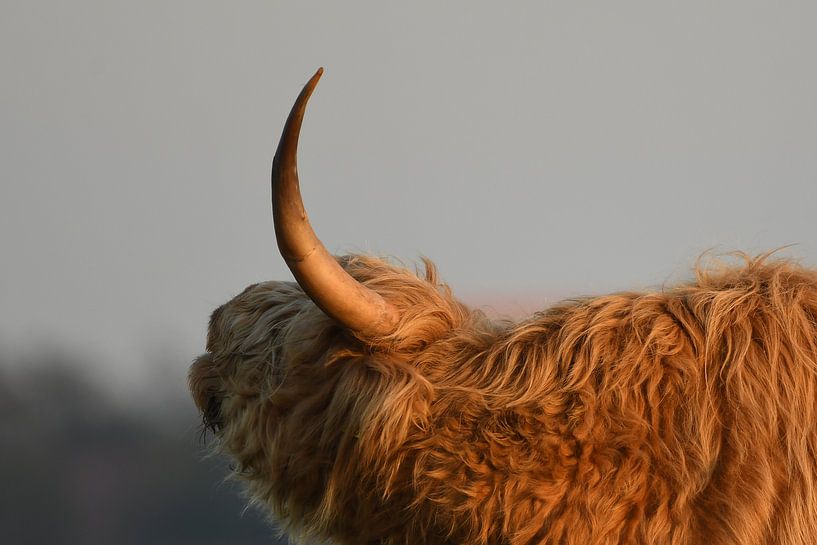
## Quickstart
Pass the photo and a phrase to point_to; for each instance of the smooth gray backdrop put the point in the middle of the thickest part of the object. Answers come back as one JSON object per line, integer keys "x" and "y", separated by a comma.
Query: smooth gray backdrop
{"x": 534, "y": 150}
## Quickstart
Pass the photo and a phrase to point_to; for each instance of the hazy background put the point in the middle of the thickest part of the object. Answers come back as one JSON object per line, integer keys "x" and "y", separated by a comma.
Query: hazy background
{"x": 534, "y": 150}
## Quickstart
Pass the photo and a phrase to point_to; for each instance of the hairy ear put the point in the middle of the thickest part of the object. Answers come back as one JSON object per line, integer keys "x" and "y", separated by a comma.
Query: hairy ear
{"x": 378, "y": 406}
{"x": 400, "y": 404}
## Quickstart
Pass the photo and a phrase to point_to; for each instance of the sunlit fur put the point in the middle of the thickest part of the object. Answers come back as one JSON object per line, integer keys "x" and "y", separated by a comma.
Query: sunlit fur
{"x": 683, "y": 416}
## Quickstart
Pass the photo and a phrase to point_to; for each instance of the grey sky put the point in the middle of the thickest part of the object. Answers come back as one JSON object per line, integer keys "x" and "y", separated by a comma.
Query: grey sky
{"x": 534, "y": 150}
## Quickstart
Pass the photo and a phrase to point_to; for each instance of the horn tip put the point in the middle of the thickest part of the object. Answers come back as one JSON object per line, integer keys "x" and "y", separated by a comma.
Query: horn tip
{"x": 310, "y": 86}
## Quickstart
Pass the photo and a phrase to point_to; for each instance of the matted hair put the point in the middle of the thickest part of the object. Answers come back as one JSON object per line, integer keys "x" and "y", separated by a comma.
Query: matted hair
{"x": 681, "y": 416}
{"x": 365, "y": 405}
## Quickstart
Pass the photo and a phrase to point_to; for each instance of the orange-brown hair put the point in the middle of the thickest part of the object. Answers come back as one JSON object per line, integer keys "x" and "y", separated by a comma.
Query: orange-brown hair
{"x": 683, "y": 416}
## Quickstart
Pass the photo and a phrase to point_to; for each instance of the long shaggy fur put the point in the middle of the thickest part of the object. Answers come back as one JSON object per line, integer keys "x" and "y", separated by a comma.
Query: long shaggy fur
{"x": 685, "y": 416}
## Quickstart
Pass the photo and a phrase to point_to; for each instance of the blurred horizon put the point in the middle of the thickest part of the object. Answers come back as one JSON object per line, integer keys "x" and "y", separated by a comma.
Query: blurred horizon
{"x": 80, "y": 467}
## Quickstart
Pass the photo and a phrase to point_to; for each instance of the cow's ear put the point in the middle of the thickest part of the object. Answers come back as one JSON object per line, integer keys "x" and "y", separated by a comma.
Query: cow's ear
{"x": 398, "y": 404}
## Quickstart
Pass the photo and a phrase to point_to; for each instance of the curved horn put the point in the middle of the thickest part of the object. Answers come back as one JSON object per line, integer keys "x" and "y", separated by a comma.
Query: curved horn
{"x": 316, "y": 270}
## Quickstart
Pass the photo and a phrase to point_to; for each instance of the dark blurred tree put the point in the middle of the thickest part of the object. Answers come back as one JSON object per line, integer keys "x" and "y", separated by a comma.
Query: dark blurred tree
{"x": 77, "y": 468}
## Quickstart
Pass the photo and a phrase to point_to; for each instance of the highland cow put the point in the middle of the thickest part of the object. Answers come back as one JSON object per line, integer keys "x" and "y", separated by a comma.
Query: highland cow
{"x": 365, "y": 404}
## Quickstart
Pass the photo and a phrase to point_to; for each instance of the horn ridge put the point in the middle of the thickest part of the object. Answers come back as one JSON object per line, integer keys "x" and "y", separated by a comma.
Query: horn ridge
{"x": 317, "y": 271}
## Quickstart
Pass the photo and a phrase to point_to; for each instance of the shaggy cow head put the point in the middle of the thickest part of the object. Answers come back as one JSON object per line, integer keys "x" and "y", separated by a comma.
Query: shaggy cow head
{"x": 314, "y": 387}
{"x": 365, "y": 405}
